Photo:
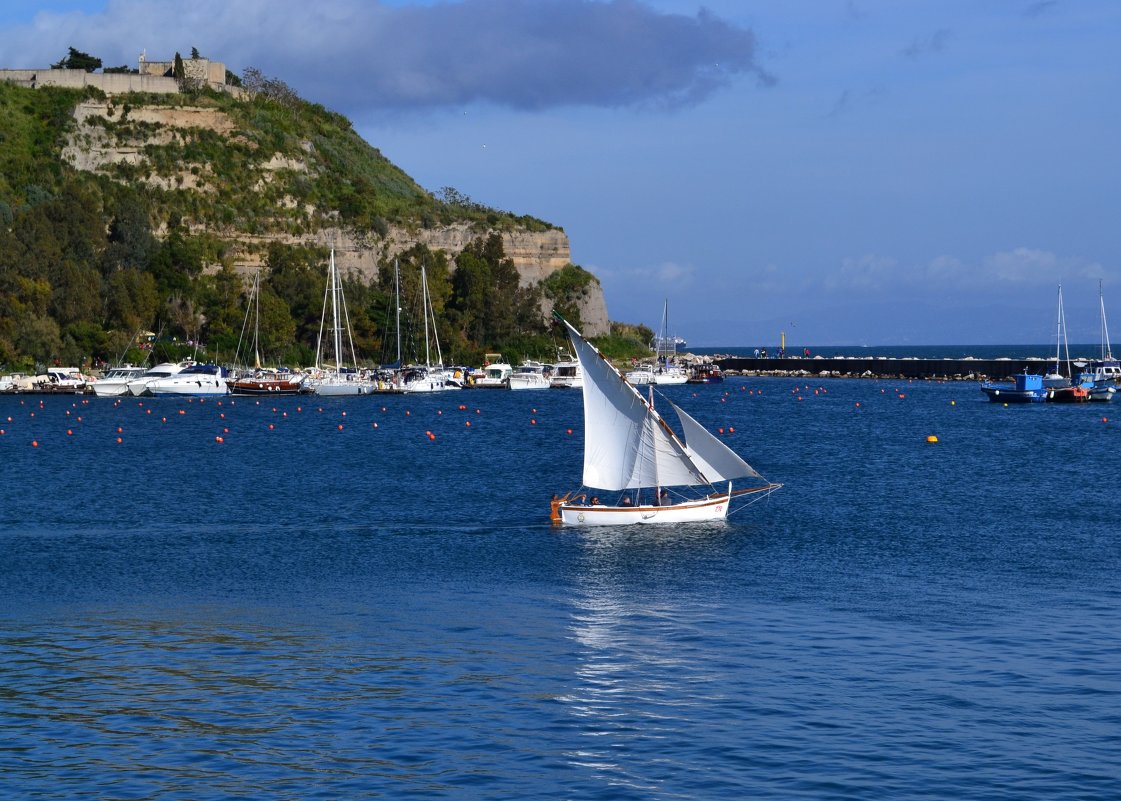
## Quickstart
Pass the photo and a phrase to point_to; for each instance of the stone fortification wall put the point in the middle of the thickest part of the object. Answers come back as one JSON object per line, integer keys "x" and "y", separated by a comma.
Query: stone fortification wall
{"x": 110, "y": 83}
{"x": 197, "y": 69}
{"x": 154, "y": 76}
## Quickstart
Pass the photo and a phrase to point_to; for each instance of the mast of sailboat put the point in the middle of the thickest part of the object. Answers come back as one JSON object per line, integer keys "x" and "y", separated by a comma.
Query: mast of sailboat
{"x": 424, "y": 311}
{"x": 1107, "y": 349}
{"x": 1059, "y": 331}
{"x": 397, "y": 289}
{"x": 337, "y": 333}
{"x": 256, "y": 318}
{"x": 435, "y": 333}
{"x": 1063, "y": 327}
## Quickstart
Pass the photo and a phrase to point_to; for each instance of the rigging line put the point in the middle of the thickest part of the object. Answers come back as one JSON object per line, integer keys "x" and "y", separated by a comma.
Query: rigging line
{"x": 758, "y": 497}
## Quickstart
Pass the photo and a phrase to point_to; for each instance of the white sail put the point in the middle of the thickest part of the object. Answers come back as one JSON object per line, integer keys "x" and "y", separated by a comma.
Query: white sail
{"x": 716, "y": 460}
{"x": 627, "y": 445}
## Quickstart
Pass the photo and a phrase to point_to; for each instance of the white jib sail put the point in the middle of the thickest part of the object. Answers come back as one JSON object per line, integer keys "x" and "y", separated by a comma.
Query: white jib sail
{"x": 716, "y": 460}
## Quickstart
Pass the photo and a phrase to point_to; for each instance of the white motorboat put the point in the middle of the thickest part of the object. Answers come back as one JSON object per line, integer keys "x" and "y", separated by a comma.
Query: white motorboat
{"x": 530, "y": 375}
{"x": 495, "y": 372}
{"x": 421, "y": 378}
{"x": 198, "y": 379}
{"x": 139, "y": 385}
{"x": 630, "y": 449}
{"x": 115, "y": 382}
{"x": 567, "y": 374}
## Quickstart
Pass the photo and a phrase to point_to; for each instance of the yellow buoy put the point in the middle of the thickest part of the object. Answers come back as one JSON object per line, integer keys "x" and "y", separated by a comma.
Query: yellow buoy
{"x": 932, "y": 439}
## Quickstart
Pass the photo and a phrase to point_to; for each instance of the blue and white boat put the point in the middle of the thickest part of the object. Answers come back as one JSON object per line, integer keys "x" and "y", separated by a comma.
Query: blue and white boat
{"x": 1025, "y": 388}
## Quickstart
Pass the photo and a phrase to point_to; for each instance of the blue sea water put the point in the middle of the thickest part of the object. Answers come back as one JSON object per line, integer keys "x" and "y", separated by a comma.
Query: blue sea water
{"x": 308, "y": 611}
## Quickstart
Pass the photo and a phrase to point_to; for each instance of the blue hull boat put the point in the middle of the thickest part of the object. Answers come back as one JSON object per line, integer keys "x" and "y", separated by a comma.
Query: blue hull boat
{"x": 1025, "y": 388}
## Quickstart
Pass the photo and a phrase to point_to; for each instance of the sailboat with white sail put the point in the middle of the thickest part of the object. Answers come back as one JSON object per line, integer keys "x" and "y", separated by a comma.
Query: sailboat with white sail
{"x": 337, "y": 380}
{"x": 629, "y": 449}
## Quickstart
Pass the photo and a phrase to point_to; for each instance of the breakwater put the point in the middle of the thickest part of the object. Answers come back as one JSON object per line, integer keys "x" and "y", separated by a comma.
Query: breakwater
{"x": 883, "y": 367}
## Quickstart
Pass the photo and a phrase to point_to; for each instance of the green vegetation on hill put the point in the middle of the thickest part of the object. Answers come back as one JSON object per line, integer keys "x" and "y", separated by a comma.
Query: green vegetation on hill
{"x": 90, "y": 258}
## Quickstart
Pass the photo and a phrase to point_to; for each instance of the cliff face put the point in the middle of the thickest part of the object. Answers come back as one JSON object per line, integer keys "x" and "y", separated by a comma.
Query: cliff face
{"x": 124, "y": 142}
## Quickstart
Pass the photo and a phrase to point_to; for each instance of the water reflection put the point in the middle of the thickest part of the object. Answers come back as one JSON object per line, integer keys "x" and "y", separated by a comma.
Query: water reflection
{"x": 643, "y": 681}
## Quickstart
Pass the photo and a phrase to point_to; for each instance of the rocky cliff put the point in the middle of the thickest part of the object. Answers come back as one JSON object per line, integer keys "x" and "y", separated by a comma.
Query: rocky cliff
{"x": 165, "y": 146}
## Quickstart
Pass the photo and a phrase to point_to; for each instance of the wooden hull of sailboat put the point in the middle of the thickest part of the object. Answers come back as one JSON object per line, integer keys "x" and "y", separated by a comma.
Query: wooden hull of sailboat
{"x": 701, "y": 511}
{"x": 251, "y": 386}
{"x": 714, "y": 507}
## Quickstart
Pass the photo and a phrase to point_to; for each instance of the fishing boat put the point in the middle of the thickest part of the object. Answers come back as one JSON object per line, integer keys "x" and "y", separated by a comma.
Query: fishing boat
{"x": 706, "y": 374}
{"x": 1024, "y": 388}
{"x": 338, "y": 380}
{"x": 630, "y": 451}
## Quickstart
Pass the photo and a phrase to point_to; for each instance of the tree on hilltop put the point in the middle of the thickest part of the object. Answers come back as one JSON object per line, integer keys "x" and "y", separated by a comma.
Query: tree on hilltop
{"x": 77, "y": 60}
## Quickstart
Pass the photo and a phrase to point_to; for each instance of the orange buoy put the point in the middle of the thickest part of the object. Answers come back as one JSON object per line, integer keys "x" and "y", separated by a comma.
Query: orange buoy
{"x": 932, "y": 439}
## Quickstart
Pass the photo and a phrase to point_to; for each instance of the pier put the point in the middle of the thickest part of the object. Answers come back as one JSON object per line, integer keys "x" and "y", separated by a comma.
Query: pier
{"x": 884, "y": 367}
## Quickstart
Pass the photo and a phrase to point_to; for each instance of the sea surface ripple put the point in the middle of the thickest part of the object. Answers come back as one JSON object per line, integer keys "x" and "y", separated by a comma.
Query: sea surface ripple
{"x": 329, "y": 603}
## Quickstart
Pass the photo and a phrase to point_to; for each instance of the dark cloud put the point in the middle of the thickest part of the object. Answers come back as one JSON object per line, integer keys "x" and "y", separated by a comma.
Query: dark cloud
{"x": 357, "y": 55}
{"x": 535, "y": 54}
{"x": 934, "y": 43}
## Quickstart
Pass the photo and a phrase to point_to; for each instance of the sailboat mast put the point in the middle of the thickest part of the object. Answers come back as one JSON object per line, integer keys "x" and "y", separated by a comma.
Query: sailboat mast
{"x": 424, "y": 311}
{"x": 335, "y": 314}
{"x": 1063, "y": 328}
{"x": 256, "y": 319}
{"x": 1107, "y": 349}
{"x": 397, "y": 288}
{"x": 1059, "y": 331}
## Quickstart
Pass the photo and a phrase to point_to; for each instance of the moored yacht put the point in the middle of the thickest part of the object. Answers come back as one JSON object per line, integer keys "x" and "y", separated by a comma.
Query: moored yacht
{"x": 567, "y": 374}
{"x": 139, "y": 385}
{"x": 115, "y": 382}
{"x": 198, "y": 379}
{"x": 495, "y": 373}
{"x": 530, "y": 375}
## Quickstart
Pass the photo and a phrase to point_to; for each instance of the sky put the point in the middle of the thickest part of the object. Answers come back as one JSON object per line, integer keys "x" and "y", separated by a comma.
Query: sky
{"x": 844, "y": 172}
